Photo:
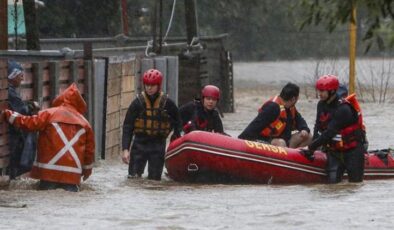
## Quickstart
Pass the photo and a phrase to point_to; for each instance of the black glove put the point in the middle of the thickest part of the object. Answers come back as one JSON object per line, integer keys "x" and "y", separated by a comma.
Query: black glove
{"x": 174, "y": 137}
{"x": 188, "y": 127}
{"x": 308, "y": 154}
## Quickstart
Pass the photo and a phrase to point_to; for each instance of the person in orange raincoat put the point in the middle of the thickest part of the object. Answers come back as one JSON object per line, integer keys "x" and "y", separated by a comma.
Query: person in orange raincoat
{"x": 65, "y": 151}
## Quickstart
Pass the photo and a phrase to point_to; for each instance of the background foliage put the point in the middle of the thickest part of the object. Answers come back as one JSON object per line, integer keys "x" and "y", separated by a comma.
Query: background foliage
{"x": 268, "y": 29}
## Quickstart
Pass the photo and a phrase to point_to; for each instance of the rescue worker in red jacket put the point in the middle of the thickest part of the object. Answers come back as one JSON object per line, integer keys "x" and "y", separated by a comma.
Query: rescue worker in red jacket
{"x": 65, "y": 151}
{"x": 277, "y": 119}
{"x": 339, "y": 130}
{"x": 149, "y": 119}
{"x": 202, "y": 114}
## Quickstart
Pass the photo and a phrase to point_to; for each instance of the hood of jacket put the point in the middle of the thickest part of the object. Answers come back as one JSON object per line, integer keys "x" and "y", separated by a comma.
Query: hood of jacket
{"x": 71, "y": 97}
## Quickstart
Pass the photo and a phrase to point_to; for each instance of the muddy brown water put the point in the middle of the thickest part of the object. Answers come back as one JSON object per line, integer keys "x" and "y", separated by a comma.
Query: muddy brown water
{"x": 109, "y": 200}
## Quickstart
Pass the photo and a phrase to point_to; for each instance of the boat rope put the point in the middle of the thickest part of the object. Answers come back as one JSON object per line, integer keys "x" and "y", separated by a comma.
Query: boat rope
{"x": 170, "y": 22}
{"x": 149, "y": 45}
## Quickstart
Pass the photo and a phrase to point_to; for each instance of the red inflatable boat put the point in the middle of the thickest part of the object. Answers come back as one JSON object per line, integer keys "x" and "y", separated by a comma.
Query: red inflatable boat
{"x": 215, "y": 158}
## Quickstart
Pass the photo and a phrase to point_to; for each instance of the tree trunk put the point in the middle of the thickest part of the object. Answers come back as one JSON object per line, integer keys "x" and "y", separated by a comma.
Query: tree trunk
{"x": 32, "y": 35}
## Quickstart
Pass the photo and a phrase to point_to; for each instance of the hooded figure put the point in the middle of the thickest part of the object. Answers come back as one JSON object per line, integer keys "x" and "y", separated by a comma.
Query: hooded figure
{"x": 65, "y": 142}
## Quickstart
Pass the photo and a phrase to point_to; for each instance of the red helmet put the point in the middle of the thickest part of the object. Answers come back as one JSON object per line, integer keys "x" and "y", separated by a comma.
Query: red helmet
{"x": 152, "y": 77}
{"x": 327, "y": 82}
{"x": 211, "y": 91}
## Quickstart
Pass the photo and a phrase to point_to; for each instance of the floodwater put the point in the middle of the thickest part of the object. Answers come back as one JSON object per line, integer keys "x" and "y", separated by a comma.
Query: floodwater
{"x": 109, "y": 200}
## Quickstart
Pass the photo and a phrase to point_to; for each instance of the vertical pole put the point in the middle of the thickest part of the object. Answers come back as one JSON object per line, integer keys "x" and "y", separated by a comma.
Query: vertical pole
{"x": 191, "y": 20}
{"x": 37, "y": 71}
{"x": 154, "y": 26}
{"x": 3, "y": 25}
{"x": 160, "y": 26}
{"x": 352, "y": 49}
{"x": 32, "y": 34}
{"x": 87, "y": 51}
{"x": 125, "y": 21}
{"x": 54, "y": 70}
{"x": 16, "y": 23}
{"x": 89, "y": 91}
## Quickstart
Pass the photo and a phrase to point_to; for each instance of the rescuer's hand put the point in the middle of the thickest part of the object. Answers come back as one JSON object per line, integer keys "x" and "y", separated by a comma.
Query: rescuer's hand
{"x": 309, "y": 154}
{"x": 36, "y": 107}
{"x": 304, "y": 133}
{"x": 126, "y": 156}
{"x": 6, "y": 115}
{"x": 85, "y": 177}
{"x": 190, "y": 126}
{"x": 174, "y": 137}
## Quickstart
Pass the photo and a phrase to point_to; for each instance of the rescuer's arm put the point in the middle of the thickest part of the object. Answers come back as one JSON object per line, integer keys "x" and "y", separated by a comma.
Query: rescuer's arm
{"x": 270, "y": 111}
{"x": 128, "y": 128}
{"x": 28, "y": 123}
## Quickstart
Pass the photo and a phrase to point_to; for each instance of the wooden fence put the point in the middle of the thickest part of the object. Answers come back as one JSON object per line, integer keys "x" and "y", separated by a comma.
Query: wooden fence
{"x": 4, "y": 153}
{"x": 120, "y": 92}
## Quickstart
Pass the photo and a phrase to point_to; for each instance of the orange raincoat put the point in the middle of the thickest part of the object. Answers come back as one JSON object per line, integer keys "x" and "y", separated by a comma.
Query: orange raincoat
{"x": 66, "y": 139}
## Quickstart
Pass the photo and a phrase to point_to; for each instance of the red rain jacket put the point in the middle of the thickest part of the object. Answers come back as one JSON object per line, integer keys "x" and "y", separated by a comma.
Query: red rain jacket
{"x": 66, "y": 145}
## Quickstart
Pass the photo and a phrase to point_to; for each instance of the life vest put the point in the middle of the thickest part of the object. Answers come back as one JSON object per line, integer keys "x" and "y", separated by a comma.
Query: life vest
{"x": 153, "y": 119}
{"x": 350, "y": 136}
{"x": 276, "y": 128}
